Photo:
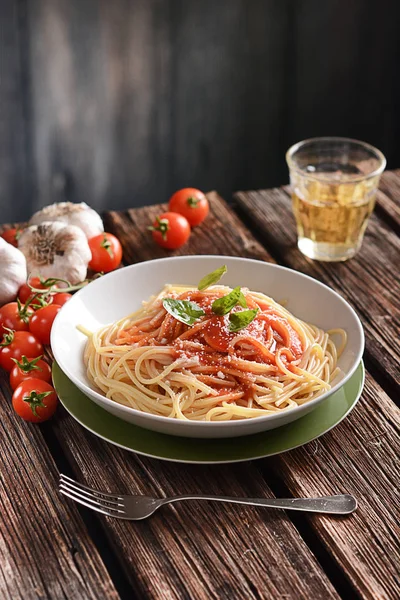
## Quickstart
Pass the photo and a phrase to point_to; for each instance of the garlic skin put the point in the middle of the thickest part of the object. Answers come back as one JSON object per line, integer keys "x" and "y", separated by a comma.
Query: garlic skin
{"x": 80, "y": 215}
{"x": 54, "y": 249}
{"x": 13, "y": 271}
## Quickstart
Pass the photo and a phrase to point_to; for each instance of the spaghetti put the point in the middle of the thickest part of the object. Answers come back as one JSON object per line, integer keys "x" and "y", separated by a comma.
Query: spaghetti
{"x": 153, "y": 362}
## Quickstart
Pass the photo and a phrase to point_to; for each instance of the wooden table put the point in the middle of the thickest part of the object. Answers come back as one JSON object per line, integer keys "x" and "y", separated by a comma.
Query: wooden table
{"x": 52, "y": 548}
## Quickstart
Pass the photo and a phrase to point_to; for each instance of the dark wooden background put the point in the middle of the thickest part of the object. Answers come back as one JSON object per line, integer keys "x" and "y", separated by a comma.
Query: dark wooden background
{"x": 120, "y": 102}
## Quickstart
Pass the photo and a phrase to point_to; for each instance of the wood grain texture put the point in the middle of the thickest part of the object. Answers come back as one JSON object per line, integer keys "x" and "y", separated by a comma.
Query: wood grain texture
{"x": 198, "y": 550}
{"x": 15, "y": 176}
{"x": 222, "y": 233}
{"x": 121, "y": 103}
{"x": 370, "y": 281}
{"x": 45, "y": 549}
{"x": 338, "y": 93}
{"x": 133, "y": 100}
{"x": 204, "y": 550}
{"x": 389, "y": 198}
{"x": 362, "y": 457}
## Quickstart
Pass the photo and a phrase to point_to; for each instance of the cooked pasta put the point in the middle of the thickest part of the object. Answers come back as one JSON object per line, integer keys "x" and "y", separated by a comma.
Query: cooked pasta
{"x": 209, "y": 370}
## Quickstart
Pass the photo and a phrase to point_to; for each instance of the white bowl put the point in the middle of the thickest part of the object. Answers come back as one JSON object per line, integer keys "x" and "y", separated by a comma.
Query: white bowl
{"x": 119, "y": 293}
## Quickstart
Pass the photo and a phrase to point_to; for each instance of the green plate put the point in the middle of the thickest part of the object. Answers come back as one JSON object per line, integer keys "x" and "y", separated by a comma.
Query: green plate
{"x": 190, "y": 450}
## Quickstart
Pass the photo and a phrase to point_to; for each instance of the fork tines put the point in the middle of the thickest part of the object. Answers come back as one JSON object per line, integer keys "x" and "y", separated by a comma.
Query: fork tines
{"x": 111, "y": 505}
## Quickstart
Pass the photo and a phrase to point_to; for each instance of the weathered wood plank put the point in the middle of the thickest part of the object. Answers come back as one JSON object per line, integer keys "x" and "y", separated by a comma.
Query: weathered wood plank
{"x": 389, "y": 198}
{"x": 45, "y": 549}
{"x": 141, "y": 108}
{"x": 168, "y": 543}
{"x": 196, "y": 549}
{"x": 221, "y": 233}
{"x": 15, "y": 174}
{"x": 349, "y": 64}
{"x": 370, "y": 281}
{"x": 374, "y": 415}
{"x": 360, "y": 456}
{"x": 146, "y": 104}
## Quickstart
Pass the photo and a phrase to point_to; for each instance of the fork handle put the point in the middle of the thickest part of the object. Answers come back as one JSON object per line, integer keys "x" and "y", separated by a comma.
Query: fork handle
{"x": 339, "y": 505}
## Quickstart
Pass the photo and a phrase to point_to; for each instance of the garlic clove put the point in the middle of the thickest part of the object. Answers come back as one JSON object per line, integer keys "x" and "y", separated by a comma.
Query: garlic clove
{"x": 13, "y": 271}
{"x": 80, "y": 215}
{"x": 54, "y": 249}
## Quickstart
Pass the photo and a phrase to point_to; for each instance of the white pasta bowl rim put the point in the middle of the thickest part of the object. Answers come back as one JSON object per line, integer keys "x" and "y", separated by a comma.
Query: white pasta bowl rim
{"x": 126, "y": 413}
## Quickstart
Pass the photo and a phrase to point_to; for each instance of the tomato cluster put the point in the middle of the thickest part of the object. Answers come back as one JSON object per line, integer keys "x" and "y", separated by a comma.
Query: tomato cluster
{"x": 25, "y": 327}
{"x": 187, "y": 208}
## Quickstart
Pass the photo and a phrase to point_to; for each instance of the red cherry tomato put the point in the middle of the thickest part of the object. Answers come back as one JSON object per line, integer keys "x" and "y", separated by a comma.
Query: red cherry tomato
{"x": 190, "y": 203}
{"x": 16, "y": 344}
{"x": 14, "y": 316}
{"x": 25, "y": 293}
{"x": 28, "y": 368}
{"x": 42, "y": 321}
{"x": 34, "y": 400}
{"x": 61, "y": 298}
{"x": 106, "y": 252}
{"x": 11, "y": 236}
{"x": 171, "y": 230}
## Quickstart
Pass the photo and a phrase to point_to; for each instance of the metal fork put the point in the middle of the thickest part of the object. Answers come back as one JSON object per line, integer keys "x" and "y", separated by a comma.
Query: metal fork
{"x": 134, "y": 508}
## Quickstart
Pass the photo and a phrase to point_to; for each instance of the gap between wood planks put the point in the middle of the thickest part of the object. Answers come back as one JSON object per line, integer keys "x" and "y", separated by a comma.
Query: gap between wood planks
{"x": 331, "y": 568}
{"x": 305, "y": 530}
{"x": 361, "y": 577}
{"x": 145, "y": 247}
{"x": 89, "y": 517}
{"x": 92, "y": 522}
{"x": 327, "y": 562}
{"x": 387, "y": 207}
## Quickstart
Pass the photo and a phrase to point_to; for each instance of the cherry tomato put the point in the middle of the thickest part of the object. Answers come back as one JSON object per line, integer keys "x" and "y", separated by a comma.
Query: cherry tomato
{"x": 106, "y": 252}
{"x": 34, "y": 400}
{"x": 61, "y": 298}
{"x": 11, "y": 236}
{"x": 17, "y": 343}
{"x": 28, "y": 368}
{"x": 42, "y": 321}
{"x": 170, "y": 230}
{"x": 25, "y": 293}
{"x": 14, "y": 315}
{"x": 190, "y": 203}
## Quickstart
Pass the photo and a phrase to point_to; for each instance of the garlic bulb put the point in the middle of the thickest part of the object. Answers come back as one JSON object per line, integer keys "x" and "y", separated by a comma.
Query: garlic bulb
{"x": 12, "y": 271}
{"x": 80, "y": 215}
{"x": 54, "y": 249}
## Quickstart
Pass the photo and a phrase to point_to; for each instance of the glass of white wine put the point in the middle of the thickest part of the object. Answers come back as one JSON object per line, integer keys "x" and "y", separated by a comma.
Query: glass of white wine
{"x": 334, "y": 183}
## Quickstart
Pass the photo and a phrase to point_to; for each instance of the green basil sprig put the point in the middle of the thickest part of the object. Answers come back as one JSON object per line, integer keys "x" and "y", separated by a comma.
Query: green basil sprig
{"x": 189, "y": 312}
{"x": 183, "y": 310}
{"x": 240, "y": 320}
{"x": 211, "y": 278}
{"x": 223, "y": 305}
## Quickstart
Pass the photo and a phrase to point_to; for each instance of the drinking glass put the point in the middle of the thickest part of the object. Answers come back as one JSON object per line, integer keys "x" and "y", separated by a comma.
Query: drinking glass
{"x": 334, "y": 183}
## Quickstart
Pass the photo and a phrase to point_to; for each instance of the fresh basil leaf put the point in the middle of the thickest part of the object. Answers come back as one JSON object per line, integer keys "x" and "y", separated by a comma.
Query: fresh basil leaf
{"x": 242, "y": 300}
{"x": 211, "y": 278}
{"x": 183, "y": 310}
{"x": 240, "y": 320}
{"x": 223, "y": 305}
